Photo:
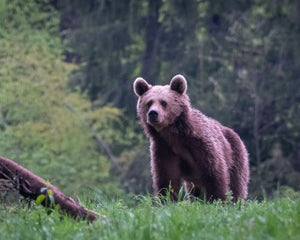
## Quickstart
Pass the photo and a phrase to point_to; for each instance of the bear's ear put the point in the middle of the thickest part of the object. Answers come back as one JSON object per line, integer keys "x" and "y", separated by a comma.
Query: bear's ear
{"x": 178, "y": 84}
{"x": 140, "y": 86}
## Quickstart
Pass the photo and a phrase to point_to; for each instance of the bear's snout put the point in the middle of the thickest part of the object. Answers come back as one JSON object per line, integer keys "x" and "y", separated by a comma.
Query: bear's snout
{"x": 153, "y": 116}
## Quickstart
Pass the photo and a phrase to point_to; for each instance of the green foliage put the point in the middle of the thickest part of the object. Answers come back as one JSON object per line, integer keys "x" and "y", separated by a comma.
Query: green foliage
{"x": 44, "y": 126}
{"x": 273, "y": 172}
{"x": 277, "y": 219}
{"x": 18, "y": 15}
{"x": 47, "y": 196}
{"x": 101, "y": 35}
{"x": 241, "y": 59}
{"x": 40, "y": 199}
{"x": 136, "y": 172}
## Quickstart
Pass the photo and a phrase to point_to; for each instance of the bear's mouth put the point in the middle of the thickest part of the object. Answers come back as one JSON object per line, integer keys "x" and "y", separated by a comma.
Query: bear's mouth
{"x": 154, "y": 123}
{"x": 157, "y": 127}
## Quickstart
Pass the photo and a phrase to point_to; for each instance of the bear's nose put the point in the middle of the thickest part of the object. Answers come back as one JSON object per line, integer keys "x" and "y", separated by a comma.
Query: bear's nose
{"x": 153, "y": 116}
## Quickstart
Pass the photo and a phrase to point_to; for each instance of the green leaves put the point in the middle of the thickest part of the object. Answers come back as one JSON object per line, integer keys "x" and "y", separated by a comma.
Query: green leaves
{"x": 241, "y": 59}
{"x": 47, "y": 195}
{"x": 32, "y": 14}
{"x": 38, "y": 127}
{"x": 40, "y": 199}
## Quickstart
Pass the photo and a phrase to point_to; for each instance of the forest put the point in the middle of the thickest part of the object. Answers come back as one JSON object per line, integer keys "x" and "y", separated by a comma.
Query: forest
{"x": 68, "y": 110}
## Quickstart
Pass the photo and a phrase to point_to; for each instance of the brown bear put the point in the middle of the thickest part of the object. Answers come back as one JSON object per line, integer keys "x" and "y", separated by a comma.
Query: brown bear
{"x": 188, "y": 147}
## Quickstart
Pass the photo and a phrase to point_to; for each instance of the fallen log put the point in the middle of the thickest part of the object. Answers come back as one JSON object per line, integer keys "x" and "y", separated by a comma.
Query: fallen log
{"x": 32, "y": 186}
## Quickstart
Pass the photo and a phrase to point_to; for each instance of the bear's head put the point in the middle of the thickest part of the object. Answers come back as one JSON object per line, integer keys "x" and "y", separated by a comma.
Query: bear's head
{"x": 160, "y": 106}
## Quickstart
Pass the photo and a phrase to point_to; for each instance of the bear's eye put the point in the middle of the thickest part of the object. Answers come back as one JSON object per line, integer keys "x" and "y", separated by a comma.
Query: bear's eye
{"x": 149, "y": 103}
{"x": 163, "y": 103}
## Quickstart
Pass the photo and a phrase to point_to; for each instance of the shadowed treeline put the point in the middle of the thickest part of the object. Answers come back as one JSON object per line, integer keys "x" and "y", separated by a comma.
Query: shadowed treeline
{"x": 67, "y": 68}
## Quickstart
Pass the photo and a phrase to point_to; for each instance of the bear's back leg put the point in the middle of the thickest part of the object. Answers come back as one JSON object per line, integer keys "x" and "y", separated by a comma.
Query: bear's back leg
{"x": 239, "y": 171}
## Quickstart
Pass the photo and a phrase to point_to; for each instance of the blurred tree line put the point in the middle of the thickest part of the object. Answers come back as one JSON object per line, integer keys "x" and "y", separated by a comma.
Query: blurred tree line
{"x": 241, "y": 59}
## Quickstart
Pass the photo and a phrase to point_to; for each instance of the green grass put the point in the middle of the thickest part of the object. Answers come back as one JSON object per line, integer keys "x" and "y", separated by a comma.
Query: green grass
{"x": 276, "y": 219}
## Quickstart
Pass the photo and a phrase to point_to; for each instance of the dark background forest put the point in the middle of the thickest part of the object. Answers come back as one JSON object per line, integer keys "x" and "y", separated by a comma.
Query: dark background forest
{"x": 68, "y": 111}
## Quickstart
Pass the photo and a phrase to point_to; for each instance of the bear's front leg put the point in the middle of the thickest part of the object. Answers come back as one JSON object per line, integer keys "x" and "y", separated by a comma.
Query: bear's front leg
{"x": 165, "y": 175}
{"x": 165, "y": 184}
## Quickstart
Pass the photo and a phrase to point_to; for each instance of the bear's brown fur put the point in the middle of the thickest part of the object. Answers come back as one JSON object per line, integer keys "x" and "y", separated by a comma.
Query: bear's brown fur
{"x": 188, "y": 147}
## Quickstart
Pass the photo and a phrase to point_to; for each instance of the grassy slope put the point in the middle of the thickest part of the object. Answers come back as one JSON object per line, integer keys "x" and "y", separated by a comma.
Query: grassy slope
{"x": 278, "y": 219}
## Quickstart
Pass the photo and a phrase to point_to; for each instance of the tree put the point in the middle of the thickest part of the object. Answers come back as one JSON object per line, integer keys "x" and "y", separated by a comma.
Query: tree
{"x": 241, "y": 59}
{"x": 44, "y": 126}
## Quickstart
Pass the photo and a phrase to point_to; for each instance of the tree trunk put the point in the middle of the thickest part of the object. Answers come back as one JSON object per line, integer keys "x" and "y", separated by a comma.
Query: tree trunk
{"x": 32, "y": 186}
{"x": 152, "y": 27}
